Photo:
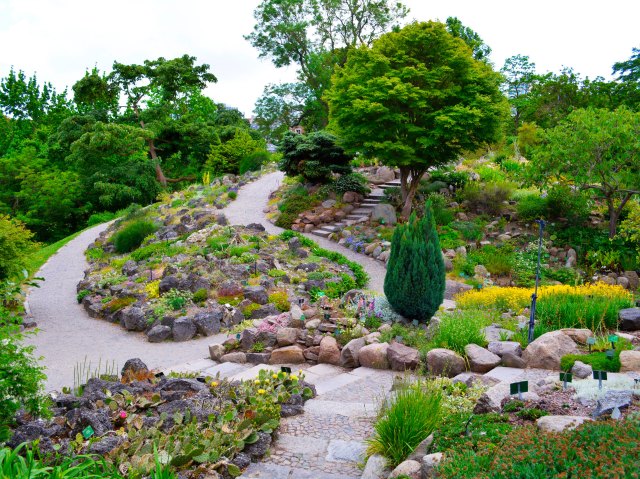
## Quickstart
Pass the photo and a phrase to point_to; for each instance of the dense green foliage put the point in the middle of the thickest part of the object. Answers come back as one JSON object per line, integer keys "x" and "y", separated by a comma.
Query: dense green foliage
{"x": 404, "y": 422}
{"x": 595, "y": 449}
{"x": 15, "y": 247}
{"x": 383, "y": 101}
{"x": 415, "y": 279}
{"x": 460, "y": 328}
{"x": 131, "y": 236}
{"x": 315, "y": 156}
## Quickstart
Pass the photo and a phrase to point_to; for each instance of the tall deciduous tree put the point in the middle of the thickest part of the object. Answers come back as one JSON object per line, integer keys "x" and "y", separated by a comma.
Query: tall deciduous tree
{"x": 314, "y": 36}
{"x": 481, "y": 50}
{"x": 164, "y": 81}
{"x": 519, "y": 76}
{"x": 416, "y": 99}
{"x": 596, "y": 150}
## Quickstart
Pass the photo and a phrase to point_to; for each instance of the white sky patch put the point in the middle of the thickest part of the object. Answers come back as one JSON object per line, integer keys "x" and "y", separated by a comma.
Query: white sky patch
{"x": 61, "y": 39}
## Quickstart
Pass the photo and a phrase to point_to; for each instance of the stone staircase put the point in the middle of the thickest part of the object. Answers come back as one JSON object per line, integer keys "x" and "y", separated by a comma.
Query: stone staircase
{"x": 361, "y": 214}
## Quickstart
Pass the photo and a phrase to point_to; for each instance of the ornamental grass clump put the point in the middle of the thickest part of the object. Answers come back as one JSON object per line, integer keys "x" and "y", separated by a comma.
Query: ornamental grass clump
{"x": 405, "y": 421}
{"x": 460, "y": 328}
{"x": 415, "y": 279}
{"x": 132, "y": 235}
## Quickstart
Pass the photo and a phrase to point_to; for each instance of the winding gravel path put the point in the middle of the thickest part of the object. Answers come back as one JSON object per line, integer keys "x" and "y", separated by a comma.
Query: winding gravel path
{"x": 68, "y": 335}
{"x": 249, "y": 208}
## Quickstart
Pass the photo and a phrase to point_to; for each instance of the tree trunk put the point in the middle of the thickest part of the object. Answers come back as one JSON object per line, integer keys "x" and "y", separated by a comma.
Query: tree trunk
{"x": 613, "y": 218}
{"x": 152, "y": 150}
{"x": 409, "y": 181}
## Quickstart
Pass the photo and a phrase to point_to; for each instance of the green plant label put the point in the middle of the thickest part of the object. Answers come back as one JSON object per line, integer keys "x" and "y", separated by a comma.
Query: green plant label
{"x": 600, "y": 375}
{"x": 87, "y": 432}
{"x": 613, "y": 338}
{"x": 398, "y": 339}
{"x": 519, "y": 387}
{"x": 285, "y": 369}
{"x": 566, "y": 377}
{"x": 591, "y": 340}
{"x": 610, "y": 353}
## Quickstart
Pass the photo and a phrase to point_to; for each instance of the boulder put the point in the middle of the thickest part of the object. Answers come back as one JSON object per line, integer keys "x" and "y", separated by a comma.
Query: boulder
{"x": 444, "y": 362}
{"x": 385, "y": 213}
{"x": 349, "y": 197}
{"x": 230, "y": 288}
{"x": 216, "y": 351}
{"x": 297, "y": 319}
{"x": 502, "y": 347}
{"x": 258, "y": 358}
{"x": 629, "y": 319}
{"x": 256, "y": 294}
{"x": 580, "y": 336}
{"x": 581, "y": 370}
{"x": 208, "y": 322}
{"x": 329, "y": 351}
{"x": 287, "y": 336}
{"x": 130, "y": 268}
{"x": 409, "y": 468}
{"x": 452, "y": 288}
{"x": 168, "y": 283}
{"x": 470, "y": 379}
{"x": 133, "y": 319}
{"x": 264, "y": 311}
{"x": 495, "y": 333}
{"x": 560, "y": 423}
{"x": 350, "y": 352}
{"x": 234, "y": 357}
{"x": 492, "y": 399}
{"x": 512, "y": 361}
{"x": 546, "y": 351}
{"x": 383, "y": 175}
{"x": 429, "y": 464}
{"x": 614, "y": 398}
{"x": 158, "y": 333}
{"x": 183, "y": 329}
{"x": 629, "y": 361}
{"x": 422, "y": 448}
{"x": 376, "y": 468}
{"x": 401, "y": 357}
{"x": 287, "y": 355}
{"x": 374, "y": 356}
{"x": 481, "y": 360}
{"x": 634, "y": 280}
{"x": 134, "y": 365}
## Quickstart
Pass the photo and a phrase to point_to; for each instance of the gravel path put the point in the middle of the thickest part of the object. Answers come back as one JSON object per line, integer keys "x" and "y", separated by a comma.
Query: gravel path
{"x": 249, "y": 208}
{"x": 67, "y": 335}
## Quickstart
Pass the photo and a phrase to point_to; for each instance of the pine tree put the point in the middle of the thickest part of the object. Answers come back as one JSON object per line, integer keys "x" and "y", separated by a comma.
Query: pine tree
{"x": 415, "y": 280}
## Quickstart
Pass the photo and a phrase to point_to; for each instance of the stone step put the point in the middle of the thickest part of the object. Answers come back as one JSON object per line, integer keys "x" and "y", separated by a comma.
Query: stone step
{"x": 368, "y": 205}
{"x": 357, "y": 217}
{"x": 370, "y": 201}
{"x": 361, "y": 211}
{"x": 322, "y": 233}
{"x": 252, "y": 372}
{"x": 329, "y": 228}
{"x": 225, "y": 370}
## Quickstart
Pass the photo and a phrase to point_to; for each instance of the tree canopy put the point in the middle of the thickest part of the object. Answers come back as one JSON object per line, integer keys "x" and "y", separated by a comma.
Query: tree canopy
{"x": 597, "y": 150}
{"x": 415, "y": 100}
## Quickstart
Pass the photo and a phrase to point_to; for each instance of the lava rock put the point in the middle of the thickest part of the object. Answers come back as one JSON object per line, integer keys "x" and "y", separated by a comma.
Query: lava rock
{"x": 208, "y": 322}
{"x": 135, "y": 365}
{"x": 183, "y": 329}
{"x": 158, "y": 333}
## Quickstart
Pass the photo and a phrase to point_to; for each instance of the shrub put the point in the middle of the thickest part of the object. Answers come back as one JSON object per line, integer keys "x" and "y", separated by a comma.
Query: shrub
{"x": 99, "y": 218}
{"x": 564, "y": 202}
{"x": 152, "y": 289}
{"x": 232, "y": 194}
{"x": 499, "y": 260}
{"x": 415, "y": 279}
{"x": 457, "y": 179}
{"x": 531, "y": 414}
{"x": 490, "y": 174}
{"x": 466, "y": 430}
{"x": 459, "y": 328}
{"x": 487, "y": 198}
{"x": 350, "y": 182}
{"x": 409, "y": 336}
{"x": 159, "y": 249}
{"x": 597, "y": 359}
{"x": 21, "y": 378}
{"x": 531, "y": 207}
{"x": 294, "y": 202}
{"x": 253, "y": 162}
{"x": 404, "y": 422}
{"x": 200, "y": 296}
{"x": 249, "y": 309}
{"x": 132, "y": 235}
{"x": 470, "y": 230}
{"x": 82, "y": 294}
{"x": 176, "y": 299}
{"x": 595, "y": 449}
{"x": 15, "y": 246}
{"x": 441, "y": 213}
{"x": 280, "y": 300}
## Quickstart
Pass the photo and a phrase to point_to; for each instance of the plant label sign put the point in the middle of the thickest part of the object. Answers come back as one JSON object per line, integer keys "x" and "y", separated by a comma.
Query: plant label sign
{"x": 613, "y": 339}
{"x": 87, "y": 432}
{"x": 519, "y": 388}
{"x": 600, "y": 376}
{"x": 285, "y": 369}
{"x": 566, "y": 378}
{"x": 610, "y": 353}
{"x": 590, "y": 342}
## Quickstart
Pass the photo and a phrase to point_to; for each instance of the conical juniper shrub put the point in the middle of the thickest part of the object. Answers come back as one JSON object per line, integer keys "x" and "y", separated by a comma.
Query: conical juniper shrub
{"x": 415, "y": 280}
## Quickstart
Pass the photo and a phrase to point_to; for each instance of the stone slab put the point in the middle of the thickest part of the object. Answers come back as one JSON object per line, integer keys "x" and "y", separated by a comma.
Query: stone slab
{"x": 339, "y": 408}
{"x": 504, "y": 374}
{"x": 346, "y": 451}
{"x": 325, "y": 385}
{"x": 301, "y": 444}
{"x": 326, "y": 370}
{"x": 192, "y": 366}
{"x": 265, "y": 470}
{"x": 251, "y": 373}
{"x": 225, "y": 369}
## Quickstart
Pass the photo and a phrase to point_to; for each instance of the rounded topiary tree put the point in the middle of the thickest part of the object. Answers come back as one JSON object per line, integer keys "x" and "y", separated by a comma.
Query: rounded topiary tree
{"x": 415, "y": 280}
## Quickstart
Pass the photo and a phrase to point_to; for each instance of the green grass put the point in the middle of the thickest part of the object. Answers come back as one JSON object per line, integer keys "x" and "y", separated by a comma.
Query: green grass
{"x": 460, "y": 328}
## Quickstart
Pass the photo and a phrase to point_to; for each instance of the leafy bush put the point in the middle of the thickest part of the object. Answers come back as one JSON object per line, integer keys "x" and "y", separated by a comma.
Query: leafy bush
{"x": 253, "y": 162}
{"x": 350, "y": 182}
{"x": 459, "y": 328}
{"x": 159, "y": 249}
{"x": 531, "y": 414}
{"x": 532, "y": 207}
{"x": 21, "y": 378}
{"x": 564, "y": 202}
{"x": 15, "y": 246}
{"x": 441, "y": 212}
{"x": 449, "y": 238}
{"x": 132, "y": 235}
{"x": 457, "y": 179}
{"x": 490, "y": 174}
{"x": 470, "y": 230}
{"x": 404, "y": 422}
{"x": 597, "y": 359}
{"x": 470, "y": 431}
{"x": 294, "y": 202}
{"x": 315, "y": 156}
{"x": 280, "y": 300}
{"x": 200, "y": 296}
{"x": 176, "y": 299}
{"x": 408, "y": 335}
{"x": 487, "y": 198}
{"x": 415, "y": 279}
{"x": 499, "y": 260}
{"x": 99, "y": 218}
{"x": 595, "y": 449}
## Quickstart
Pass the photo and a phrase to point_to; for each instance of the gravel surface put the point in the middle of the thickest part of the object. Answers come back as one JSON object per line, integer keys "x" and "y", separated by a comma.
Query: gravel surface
{"x": 67, "y": 335}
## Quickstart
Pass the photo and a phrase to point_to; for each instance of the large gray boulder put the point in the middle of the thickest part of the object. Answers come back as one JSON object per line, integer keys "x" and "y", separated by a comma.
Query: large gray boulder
{"x": 444, "y": 362}
{"x": 158, "y": 333}
{"x": 481, "y": 360}
{"x": 133, "y": 319}
{"x": 183, "y": 329}
{"x": 350, "y": 352}
{"x": 546, "y": 351}
{"x": 257, "y": 294}
{"x": 629, "y": 319}
{"x": 374, "y": 356}
{"x": 502, "y": 347}
{"x": 208, "y": 322}
{"x": 329, "y": 351}
{"x": 560, "y": 423}
{"x": 384, "y": 212}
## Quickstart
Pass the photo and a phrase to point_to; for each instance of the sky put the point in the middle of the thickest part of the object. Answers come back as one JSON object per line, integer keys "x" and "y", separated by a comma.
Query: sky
{"x": 60, "y": 39}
